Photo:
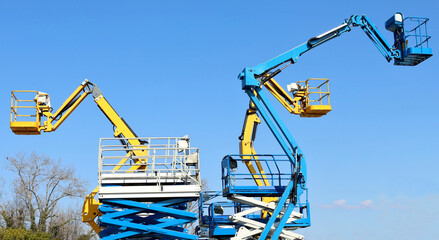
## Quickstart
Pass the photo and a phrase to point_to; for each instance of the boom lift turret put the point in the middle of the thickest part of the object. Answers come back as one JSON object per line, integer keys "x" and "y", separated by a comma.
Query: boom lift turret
{"x": 283, "y": 189}
{"x": 167, "y": 178}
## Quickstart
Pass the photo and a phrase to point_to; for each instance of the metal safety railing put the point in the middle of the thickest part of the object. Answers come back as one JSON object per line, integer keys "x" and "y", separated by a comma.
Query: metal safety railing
{"x": 158, "y": 161}
{"x": 278, "y": 170}
{"x": 25, "y": 105}
{"x": 317, "y": 91}
{"x": 416, "y": 31}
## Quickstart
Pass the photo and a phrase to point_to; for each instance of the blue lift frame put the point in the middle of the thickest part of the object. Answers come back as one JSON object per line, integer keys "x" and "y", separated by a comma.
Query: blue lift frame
{"x": 208, "y": 218}
{"x": 279, "y": 176}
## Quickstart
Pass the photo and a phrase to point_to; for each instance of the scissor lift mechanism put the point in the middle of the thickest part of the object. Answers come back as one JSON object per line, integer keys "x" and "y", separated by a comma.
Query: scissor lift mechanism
{"x": 149, "y": 202}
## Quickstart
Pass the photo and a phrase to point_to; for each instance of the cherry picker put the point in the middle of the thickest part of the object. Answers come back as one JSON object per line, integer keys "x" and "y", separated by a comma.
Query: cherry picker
{"x": 275, "y": 202}
{"x": 164, "y": 172}
{"x": 33, "y": 125}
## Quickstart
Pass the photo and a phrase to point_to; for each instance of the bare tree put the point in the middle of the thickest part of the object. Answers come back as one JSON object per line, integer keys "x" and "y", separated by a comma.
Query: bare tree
{"x": 13, "y": 214}
{"x": 67, "y": 225}
{"x": 40, "y": 184}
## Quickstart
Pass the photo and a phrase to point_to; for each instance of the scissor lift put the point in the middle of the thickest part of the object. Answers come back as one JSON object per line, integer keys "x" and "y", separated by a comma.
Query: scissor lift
{"x": 146, "y": 197}
{"x": 288, "y": 210}
{"x": 284, "y": 188}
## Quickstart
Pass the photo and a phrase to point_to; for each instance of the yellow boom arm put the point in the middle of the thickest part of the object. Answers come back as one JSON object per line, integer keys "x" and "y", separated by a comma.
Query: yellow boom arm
{"x": 54, "y": 120}
{"x": 300, "y": 103}
{"x": 248, "y": 152}
{"x": 307, "y": 101}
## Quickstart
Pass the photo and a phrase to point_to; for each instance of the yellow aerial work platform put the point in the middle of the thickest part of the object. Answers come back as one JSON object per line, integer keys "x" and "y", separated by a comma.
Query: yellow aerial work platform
{"x": 27, "y": 106}
{"x": 314, "y": 97}
{"x": 310, "y": 98}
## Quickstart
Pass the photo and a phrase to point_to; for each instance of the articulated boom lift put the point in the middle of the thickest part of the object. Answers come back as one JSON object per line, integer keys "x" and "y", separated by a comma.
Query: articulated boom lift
{"x": 281, "y": 179}
{"x": 147, "y": 193}
{"x": 24, "y": 109}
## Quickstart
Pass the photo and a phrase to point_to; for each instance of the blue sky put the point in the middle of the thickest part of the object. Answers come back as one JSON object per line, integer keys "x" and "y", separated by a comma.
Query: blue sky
{"x": 169, "y": 68}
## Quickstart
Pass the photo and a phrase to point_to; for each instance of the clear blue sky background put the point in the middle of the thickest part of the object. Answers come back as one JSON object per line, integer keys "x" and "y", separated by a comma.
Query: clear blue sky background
{"x": 169, "y": 68}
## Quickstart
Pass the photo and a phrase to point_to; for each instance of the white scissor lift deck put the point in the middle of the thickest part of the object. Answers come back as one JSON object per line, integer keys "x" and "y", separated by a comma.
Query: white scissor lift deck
{"x": 146, "y": 195}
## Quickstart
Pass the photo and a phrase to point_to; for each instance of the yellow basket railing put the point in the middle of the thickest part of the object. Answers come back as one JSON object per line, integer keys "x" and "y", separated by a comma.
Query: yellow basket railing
{"x": 26, "y": 111}
{"x": 315, "y": 102}
{"x": 316, "y": 87}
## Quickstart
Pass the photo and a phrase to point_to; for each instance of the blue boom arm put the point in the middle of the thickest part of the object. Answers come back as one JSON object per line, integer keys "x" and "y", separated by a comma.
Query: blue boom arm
{"x": 399, "y": 52}
{"x": 253, "y": 80}
{"x": 285, "y": 187}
